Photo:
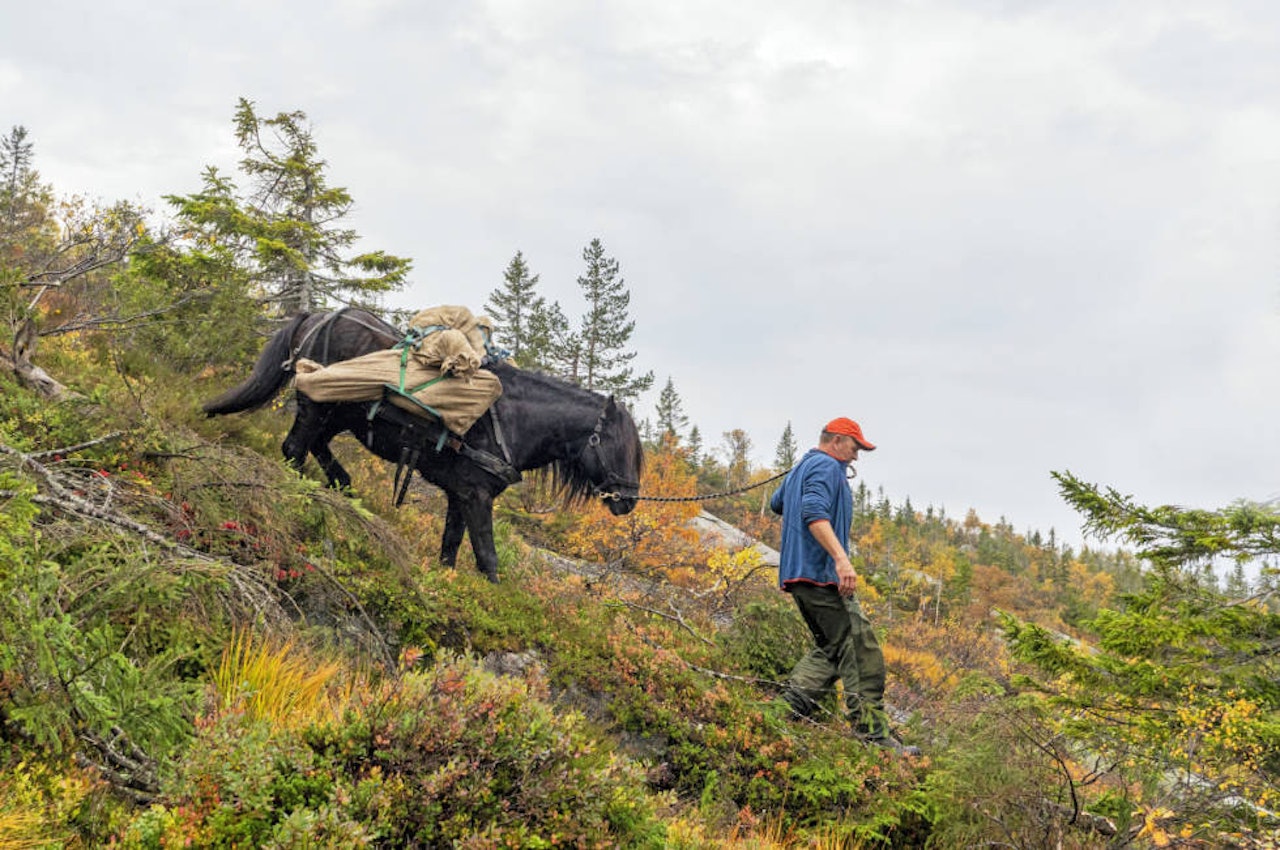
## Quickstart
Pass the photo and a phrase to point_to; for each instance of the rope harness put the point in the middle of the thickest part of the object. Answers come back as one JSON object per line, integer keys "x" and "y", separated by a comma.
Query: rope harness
{"x": 322, "y": 332}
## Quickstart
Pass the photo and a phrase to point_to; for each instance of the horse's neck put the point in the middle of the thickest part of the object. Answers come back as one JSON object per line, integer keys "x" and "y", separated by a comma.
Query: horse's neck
{"x": 541, "y": 426}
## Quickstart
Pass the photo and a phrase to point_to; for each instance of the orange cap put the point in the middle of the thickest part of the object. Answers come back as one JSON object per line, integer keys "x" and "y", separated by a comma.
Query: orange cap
{"x": 849, "y": 428}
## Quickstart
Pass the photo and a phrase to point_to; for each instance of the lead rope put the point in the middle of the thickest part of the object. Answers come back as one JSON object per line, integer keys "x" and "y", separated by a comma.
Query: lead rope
{"x": 706, "y": 498}
{"x": 850, "y": 474}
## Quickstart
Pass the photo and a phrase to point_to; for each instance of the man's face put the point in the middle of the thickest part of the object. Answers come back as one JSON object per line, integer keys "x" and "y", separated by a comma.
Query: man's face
{"x": 844, "y": 448}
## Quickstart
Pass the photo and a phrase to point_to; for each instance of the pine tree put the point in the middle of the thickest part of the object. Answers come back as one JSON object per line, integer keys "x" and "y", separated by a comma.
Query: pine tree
{"x": 671, "y": 418}
{"x": 552, "y": 346}
{"x": 784, "y": 456}
{"x": 512, "y": 307}
{"x": 17, "y": 176}
{"x": 286, "y": 229}
{"x": 27, "y": 232}
{"x": 605, "y": 363}
{"x": 695, "y": 447}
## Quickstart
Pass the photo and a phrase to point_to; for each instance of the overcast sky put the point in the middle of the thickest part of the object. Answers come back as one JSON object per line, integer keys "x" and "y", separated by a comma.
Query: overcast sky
{"x": 1007, "y": 236}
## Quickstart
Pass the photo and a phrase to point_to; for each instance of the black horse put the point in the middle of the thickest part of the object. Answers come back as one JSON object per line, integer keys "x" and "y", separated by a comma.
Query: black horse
{"x": 588, "y": 440}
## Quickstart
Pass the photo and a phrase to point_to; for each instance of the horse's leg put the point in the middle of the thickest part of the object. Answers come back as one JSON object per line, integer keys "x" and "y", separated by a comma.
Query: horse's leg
{"x": 298, "y": 441}
{"x": 339, "y": 478}
{"x": 312, "y": 430}
{"x": 455, "y": 525}
{"x": 478, "y": 511}
{"x": 470, "y": 511}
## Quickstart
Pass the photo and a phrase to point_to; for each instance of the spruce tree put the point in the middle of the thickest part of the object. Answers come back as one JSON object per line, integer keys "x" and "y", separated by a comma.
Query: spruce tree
{"x": 671, "y": 418}
{"x": 27, "y": 232}
{"x": 205, "y": 271}
{"x": 1182, "y": 681}
{"x": 784, "y": 456}
{"x": 695, "y": 447}
{"x": 17, "y": 178}
{"x": 512, "y": 307}
{"x": 606, "y": 329}
{"x": 552, "y": 345}
{"x": 286, "y": 229}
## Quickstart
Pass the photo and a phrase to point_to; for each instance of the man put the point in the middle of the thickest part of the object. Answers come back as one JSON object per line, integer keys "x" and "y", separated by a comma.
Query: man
{"x": 817, "y": 511}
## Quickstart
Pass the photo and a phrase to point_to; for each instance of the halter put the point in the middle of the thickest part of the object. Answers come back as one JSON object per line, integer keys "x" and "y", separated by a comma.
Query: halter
{"x": 612, "y": 479}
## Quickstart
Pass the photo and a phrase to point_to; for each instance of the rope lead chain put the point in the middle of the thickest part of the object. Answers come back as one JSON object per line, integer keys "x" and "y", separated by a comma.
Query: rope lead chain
{"x": 708, "y": 497}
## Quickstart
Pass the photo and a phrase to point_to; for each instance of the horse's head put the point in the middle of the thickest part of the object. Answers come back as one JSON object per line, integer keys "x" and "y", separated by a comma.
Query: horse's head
{"x": 613, "y": 458}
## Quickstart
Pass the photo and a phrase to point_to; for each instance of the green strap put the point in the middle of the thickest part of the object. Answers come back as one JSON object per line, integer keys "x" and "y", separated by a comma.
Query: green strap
{"x": 411, "y": 341}
{"x": 422, "y": 387}
{"x": 406, "y": 345}
{"x": 404, "y": 365}
{"x": 417, "y": 335}
{"x": 409, "y": 397}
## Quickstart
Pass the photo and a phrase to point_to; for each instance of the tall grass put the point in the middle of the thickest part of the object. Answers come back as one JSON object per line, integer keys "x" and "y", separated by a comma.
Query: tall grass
{"x": 279, "y": 682}
{"x": 20, "y": 830}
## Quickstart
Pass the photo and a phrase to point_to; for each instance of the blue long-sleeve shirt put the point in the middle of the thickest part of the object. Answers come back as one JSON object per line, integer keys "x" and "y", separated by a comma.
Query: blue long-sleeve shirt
{"x": 815, "y": 489}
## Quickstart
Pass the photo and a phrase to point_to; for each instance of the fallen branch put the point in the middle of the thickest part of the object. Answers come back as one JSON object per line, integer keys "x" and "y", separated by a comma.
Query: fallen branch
{"x": 132, "y": 774}
{"x": 36, "y": 378}
{"x": 66, "y": 450}
{"x": 677, "y": 618}
{"x": 64, "y": 500}
{"x": 387, "y": 655}
{"x": 250, "y": 590}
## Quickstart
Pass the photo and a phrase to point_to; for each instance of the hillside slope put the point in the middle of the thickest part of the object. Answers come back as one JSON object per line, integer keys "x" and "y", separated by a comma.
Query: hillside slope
{"x": 202, "y": 646}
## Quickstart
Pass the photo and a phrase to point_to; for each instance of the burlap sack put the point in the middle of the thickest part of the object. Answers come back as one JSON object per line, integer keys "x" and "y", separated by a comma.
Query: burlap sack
{"x": 450, "y": 350}
{"x": 477, "y": 329}
{"x": 460, "y": 401}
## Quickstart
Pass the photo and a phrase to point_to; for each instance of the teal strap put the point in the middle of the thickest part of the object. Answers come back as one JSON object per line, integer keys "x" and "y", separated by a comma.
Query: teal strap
{"x": 420, "y": 387}
{"x": 404, "y": 365}
{"x": 417, "y": 335}
{"x": 425, "y": 407}
{"x": 411, "y": 340}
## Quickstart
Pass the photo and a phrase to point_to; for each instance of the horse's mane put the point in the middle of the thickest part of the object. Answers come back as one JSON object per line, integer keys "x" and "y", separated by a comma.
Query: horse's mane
{"x": 568, "y": 478}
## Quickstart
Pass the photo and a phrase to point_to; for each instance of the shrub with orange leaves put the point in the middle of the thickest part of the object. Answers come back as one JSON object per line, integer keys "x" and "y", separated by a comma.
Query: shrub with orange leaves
{"x": 656, "y": 536}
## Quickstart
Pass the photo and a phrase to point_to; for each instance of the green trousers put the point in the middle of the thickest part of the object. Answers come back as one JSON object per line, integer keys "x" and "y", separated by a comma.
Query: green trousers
{"x": 845, "y": 648}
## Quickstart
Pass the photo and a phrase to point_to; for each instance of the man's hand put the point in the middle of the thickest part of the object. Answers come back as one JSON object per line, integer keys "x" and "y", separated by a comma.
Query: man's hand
{"x": 821, "y": 531}
{"x": 848, "y": 577}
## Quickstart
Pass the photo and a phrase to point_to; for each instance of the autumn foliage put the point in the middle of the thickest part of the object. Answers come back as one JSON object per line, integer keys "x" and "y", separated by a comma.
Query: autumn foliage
{"x": 654, "y": 538}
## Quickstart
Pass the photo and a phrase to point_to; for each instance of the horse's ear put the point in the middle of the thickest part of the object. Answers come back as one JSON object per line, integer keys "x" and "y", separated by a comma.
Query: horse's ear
{"x": 611, "y": 406}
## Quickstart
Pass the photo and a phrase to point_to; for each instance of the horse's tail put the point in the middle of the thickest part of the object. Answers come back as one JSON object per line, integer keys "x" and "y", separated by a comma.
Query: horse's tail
{"x": 269, "y": 375}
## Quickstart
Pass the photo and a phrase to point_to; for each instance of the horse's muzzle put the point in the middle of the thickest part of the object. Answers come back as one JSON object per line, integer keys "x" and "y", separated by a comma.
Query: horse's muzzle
{"x": 620, "y": 504}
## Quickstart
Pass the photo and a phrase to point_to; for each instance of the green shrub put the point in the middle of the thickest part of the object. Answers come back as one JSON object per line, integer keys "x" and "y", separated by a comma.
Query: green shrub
{"x": 88, "y": 647}
{"x": 245, "y": 784}
{"x": 454, "y": 753}
{"x": 766, "y": 639}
